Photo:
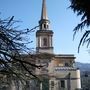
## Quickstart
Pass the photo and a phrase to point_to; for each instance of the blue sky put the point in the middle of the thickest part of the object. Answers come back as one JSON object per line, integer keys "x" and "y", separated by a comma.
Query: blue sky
{"x": 63, "y": 21}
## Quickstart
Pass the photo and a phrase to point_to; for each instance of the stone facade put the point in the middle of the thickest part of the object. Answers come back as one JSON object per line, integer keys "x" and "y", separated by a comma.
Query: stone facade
{"x": 61, "y": 72}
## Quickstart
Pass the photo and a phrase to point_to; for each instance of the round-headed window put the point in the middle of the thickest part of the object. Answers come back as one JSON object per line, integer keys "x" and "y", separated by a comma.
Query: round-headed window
{"x": 45, "y": 42}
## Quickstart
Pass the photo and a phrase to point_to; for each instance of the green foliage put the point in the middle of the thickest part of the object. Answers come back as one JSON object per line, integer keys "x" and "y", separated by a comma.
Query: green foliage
{"x": 45, "y": 84}
{"x": 82, "y": 7}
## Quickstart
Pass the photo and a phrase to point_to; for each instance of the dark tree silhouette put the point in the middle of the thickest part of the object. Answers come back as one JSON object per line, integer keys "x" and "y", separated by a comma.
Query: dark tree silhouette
{"x": 82, "y": 7}
{"x": 13, "y": 50}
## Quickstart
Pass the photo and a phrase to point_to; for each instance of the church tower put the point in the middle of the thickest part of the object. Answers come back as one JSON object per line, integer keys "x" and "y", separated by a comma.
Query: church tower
{"x": 44, "y": 34}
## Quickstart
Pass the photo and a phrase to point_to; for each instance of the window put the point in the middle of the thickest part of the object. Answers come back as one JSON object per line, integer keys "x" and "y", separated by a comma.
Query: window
{"x": 62, "y": 83}
{"x": 44, "y": 26}
{"x": 66, "y": 64}
{"x": 52, "y": 83}
{"x": 45, "y": 42}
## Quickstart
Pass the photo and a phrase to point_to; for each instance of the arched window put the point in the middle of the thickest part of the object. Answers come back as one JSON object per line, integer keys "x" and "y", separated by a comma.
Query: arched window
{"x": 44, "y": 26}
{"x": 45, "y": 42}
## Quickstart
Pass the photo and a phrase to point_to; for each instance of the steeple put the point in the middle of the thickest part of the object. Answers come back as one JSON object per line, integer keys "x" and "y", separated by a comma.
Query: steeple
{"x": 44, "y": 34}
{"x": 44, "y": 12}
{"x": 44, "y": 22}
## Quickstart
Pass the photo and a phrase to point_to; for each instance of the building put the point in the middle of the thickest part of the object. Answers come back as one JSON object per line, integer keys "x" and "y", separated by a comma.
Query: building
{"x": 60, "y": 68}
{"x": 58, "y": 71}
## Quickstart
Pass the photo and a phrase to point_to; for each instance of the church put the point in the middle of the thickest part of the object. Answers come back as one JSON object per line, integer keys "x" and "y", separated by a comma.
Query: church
{"x": 58, "y": 71}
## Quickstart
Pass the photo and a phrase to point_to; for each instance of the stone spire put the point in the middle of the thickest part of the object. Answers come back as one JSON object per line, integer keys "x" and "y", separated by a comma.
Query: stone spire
{"x": 44, "y": 12}
{"x": 44, "y": 22}
{"x": 44, "y": 34}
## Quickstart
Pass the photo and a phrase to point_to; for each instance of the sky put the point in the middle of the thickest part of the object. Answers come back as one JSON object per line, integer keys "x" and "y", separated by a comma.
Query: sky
{"x": 62, "y": 19}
